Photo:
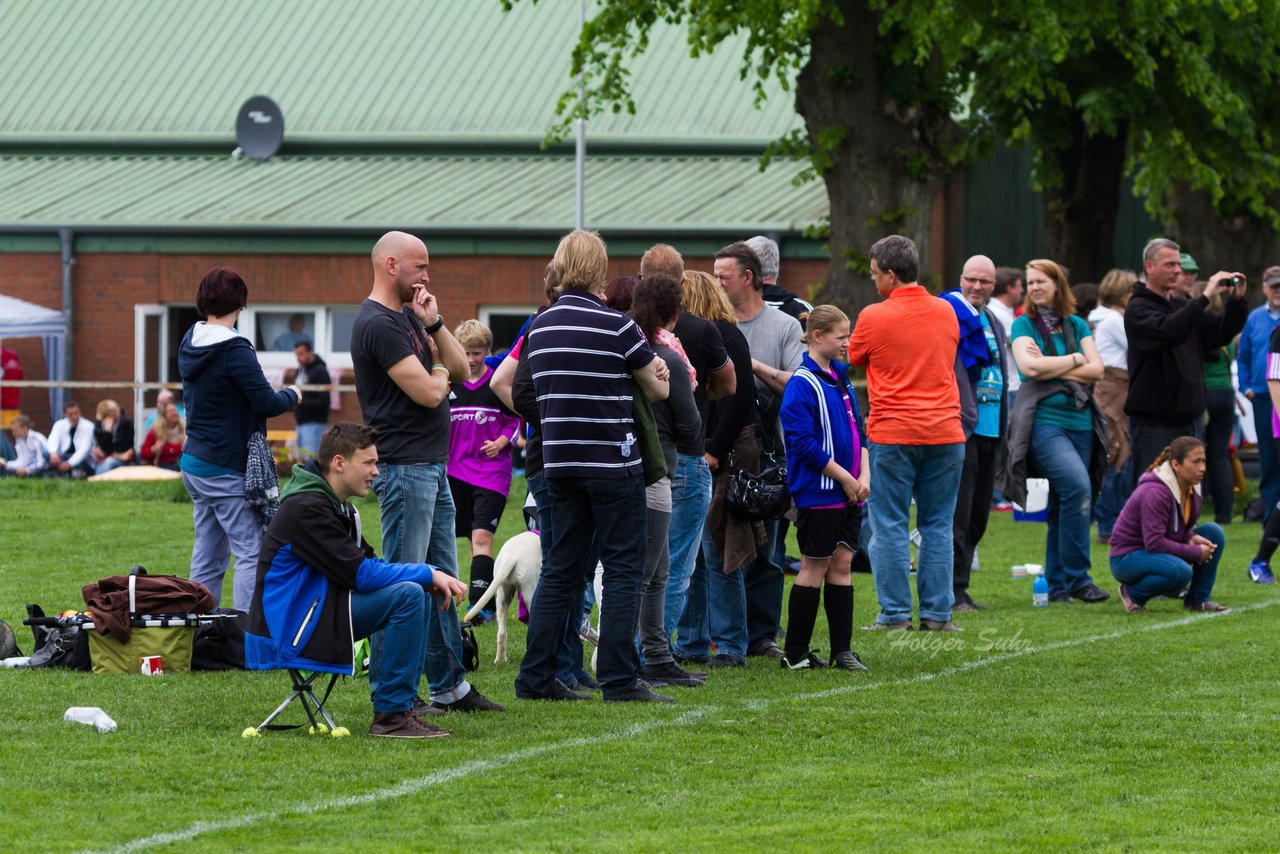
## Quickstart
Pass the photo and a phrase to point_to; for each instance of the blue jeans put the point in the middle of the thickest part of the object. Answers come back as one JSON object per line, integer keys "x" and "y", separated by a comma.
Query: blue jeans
{"x": 727, "y": 595}
{"x": 930, "y": 474}
{"x": 309, "y": 437}
{"x": 583, "y": 509}
{"x": 569, "y": 659}
{"x": 395, "y": 612}
{"x": 1147, "y": 574}
{"x": 1062, "y": 456}
{"x": 108, "y": 464}
{"x": 693, "y": 632}
{"x": 690, "y": 500}
{"x": 1117, "y": 485}
{"x": 224, "y": 525}
{"x": 417, "y": 527}
{"x": 1268, "y": 453}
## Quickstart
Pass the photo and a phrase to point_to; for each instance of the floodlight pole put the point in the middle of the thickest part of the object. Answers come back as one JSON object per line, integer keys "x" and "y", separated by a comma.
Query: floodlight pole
{"x": 580, "y": 147}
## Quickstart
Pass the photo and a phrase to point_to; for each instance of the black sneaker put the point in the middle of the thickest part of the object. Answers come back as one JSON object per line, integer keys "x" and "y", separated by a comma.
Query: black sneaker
{"x": 809, "y": 661}
{"x": 721, "y": 660}
{"x": 847, "y": 660}
{"x": 474, "y": 701}
{"x": 1091, "y": 594}
{"x": 559, "y": 691}
{"x": 670, "y": 673}
{"x": 585, "y": 683}
{"x": 1062, "y": 599}
{"x": 639, "y": 693}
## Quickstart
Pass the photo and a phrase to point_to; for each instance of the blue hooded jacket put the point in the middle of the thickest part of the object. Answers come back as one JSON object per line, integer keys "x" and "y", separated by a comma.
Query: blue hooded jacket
{"x": 816, "y": 427}
{"x": 226, "y": 395}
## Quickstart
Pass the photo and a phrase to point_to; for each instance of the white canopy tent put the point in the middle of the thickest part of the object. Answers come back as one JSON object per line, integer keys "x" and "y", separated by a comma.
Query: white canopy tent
{"x": 21, "y": 319}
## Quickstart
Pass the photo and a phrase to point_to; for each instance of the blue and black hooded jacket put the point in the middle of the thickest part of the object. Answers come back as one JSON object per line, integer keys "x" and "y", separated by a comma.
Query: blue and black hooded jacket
{"x": 312, "y": 557}
{"x": 816, "y": 427}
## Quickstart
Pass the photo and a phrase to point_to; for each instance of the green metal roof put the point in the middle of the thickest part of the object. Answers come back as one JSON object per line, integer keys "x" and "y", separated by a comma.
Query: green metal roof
{"x": 344, "y": 72}
{"x": 427, "y": 194}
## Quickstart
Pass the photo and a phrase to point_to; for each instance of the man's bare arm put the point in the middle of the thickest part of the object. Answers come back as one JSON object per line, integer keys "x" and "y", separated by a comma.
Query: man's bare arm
{"x": 424, "y": 387}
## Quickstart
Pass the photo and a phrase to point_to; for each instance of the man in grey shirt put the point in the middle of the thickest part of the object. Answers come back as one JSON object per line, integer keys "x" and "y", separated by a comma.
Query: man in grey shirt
{"x": 754, "y": 596}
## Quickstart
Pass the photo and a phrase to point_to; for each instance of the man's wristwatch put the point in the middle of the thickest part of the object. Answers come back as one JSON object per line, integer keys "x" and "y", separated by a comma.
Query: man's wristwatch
{"x": 435, "y": 327}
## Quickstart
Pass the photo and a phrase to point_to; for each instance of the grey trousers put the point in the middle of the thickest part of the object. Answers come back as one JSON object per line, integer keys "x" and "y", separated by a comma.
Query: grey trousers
{"x": 224, "y": 525}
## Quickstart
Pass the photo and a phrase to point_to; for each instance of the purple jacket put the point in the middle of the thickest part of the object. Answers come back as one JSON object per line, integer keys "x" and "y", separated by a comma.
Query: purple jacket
{"x": 1151, "y": 520}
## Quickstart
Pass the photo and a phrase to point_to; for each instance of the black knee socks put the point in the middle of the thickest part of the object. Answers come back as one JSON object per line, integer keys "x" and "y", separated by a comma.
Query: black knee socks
{"x": 802, "y": 611}
{"x": 838, "y": 600}
{"x": 481, "y": 577}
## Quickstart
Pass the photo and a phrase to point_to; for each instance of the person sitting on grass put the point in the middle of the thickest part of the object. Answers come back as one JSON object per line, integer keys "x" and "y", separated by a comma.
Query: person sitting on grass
{"x": 32, "y": 450}
{"x": 1156, "y": 547}
{"x": 163, "y": 445}
{"x": 320, "y": 587}
{"x": 828, "y": 473}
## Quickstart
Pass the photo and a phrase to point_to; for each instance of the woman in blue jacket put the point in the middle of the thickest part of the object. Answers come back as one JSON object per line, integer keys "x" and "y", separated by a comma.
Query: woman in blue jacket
{"x": 829, "y": 476}
{"x": 228, "y": 399}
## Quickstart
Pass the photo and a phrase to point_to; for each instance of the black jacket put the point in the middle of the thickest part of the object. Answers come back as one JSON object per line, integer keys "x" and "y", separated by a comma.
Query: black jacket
{"x": 1167, "y": 342}
{"x": 314, "y": 408}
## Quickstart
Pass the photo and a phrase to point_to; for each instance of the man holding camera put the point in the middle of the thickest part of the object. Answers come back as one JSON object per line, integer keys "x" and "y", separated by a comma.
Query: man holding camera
{"x": 1168, "y": 335}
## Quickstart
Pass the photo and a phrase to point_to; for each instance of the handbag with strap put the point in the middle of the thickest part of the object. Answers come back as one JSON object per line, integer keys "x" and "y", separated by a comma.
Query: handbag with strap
{"x": 756, "y": 497}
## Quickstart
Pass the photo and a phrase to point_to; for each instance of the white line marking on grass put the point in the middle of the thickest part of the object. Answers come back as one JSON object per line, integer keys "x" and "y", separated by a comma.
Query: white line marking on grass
{"x": 446, "y": 775}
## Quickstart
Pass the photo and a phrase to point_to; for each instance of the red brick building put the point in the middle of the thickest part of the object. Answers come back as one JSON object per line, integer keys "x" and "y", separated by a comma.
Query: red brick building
{"x": 130, "y": 173}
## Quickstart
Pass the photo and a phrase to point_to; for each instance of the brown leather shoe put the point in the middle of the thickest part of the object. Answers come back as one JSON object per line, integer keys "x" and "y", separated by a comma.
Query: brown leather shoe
{"x": 1206, "y": 607}
{"x": 403, "y": 725}
{"x": 904, "y": 626}
{"x": 939, "y": 626}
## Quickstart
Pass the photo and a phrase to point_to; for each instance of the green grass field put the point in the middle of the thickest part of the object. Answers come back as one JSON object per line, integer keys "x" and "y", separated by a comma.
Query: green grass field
{"x": 1069, "y": 727}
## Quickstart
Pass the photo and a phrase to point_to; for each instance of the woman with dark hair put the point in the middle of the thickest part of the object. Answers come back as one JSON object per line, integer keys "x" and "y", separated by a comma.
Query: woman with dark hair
{"x": 1157, "y": 549}
{"x": 618, "y": 292}
{"x": 655, "y": 305}
{"x": 1053, "y": 425}
{"x": 1107, "y": 322}
{"x": 228, "y": 399}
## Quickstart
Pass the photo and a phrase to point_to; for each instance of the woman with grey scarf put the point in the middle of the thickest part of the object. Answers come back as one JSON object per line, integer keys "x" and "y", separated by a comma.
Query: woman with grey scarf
{"x": 1056, "y": 355}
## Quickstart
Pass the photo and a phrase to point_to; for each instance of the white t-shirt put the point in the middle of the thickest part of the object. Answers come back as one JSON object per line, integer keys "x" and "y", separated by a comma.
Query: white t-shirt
{"x": 1004, "y": 314}
{"x": 1108, "y": 334}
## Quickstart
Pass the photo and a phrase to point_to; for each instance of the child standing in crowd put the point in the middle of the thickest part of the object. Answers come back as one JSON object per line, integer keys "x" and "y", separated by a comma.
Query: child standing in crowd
{"x": 829, "y": 475}
{"x": 481, "y": 432}
{"x": 1156, "y": 547}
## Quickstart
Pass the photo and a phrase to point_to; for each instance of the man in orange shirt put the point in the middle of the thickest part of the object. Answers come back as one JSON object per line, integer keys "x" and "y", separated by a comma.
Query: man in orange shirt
{"x": 908, "y": 345}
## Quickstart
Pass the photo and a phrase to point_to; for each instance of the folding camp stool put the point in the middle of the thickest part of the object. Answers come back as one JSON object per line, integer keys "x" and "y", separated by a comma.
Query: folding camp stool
{"x": 304, "y": 692}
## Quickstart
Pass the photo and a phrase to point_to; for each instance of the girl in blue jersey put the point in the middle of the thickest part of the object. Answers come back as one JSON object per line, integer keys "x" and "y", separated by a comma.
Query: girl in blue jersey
{"x": 829, "y": 476}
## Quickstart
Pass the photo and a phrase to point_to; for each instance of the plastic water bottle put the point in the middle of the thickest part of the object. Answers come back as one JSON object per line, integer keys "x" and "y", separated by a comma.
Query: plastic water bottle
{"x": 1040, "y": 592}
{"x": 91, "y": 715}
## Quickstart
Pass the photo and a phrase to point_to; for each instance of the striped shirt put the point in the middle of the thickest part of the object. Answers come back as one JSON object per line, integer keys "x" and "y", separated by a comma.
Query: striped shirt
{"x": 582, "y": 354}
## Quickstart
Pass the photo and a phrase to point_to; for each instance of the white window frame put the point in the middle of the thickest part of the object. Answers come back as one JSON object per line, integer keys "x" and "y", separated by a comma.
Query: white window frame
{"x": 485, "y": 312}
{"x": 248, "y": 326}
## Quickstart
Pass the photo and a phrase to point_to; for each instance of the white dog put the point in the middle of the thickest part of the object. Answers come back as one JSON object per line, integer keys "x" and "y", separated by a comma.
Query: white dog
{"x": 518, "y": 567}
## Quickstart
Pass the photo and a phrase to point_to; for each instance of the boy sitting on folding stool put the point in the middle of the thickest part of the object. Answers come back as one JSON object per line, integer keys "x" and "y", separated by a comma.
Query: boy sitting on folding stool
{"x": 320, "y": 587}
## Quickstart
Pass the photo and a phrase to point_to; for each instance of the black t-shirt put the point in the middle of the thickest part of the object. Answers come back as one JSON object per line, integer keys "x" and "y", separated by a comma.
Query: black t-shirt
{"x": 408, "y": 433}
{"x": 705, "y": 348}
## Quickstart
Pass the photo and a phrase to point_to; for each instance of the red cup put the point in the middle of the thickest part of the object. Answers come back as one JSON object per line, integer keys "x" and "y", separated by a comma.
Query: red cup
{"x": 152, "y": 665}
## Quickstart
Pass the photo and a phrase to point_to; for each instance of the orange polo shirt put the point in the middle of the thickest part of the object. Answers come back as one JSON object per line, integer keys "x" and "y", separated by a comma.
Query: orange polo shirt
{"x": 908, "y": 345}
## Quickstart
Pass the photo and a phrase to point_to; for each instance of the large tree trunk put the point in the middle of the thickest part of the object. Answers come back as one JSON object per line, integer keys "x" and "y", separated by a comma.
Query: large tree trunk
{"x": 1236, "y": 243}
{"x": 1080, "y": 215}
{"x": 884, "y": 172}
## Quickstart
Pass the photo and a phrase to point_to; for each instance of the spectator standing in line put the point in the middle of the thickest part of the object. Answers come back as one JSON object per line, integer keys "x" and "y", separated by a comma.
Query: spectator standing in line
{"x": 1220, "y": 404}
{"x": 404, "y": 356}
{"x": 584, "y": 357}
{"x": 228, "y": 400}
{"x": 715, "y": 379}
{"x": 987, "y": 384}
{"x": 1167, "y": 336}
{"x": 71, "y": 444}
{"x": 1188, "y": 272}
{"x": 113, "y": 438}
{"x": 1251, "y": 376}
{"x": 313, "y": 413}
{"x": 1055, "y": 431}
{"x": 1109, "y": 394}
{"x": 774, "y": 295}
{"x": 31, "y": 447}
{"x": 726, "y": 540}
{"x": 482, "y": 430}
{"x": 1005, "y": 300}
{"x": 776, "y": 351}
{"x": 908, "y": 345}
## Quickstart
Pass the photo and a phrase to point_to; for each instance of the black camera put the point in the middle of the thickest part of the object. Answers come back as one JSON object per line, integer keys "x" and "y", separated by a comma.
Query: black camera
{"x": 1236, "y": 281}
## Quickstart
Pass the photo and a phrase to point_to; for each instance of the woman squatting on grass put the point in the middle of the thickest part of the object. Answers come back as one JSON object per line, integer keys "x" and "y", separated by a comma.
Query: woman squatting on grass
{"x": 829, "y": 476}
{"x": 1156, "y": 547}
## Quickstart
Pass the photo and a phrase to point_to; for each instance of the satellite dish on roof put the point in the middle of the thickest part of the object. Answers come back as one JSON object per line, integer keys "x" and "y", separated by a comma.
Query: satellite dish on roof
{"x": 259, "y": 128}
